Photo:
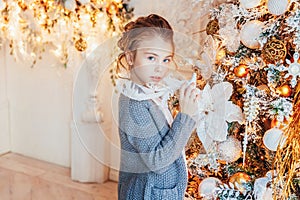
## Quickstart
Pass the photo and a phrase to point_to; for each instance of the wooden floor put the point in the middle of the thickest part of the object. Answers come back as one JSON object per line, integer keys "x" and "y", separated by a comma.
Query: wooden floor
{"x": 23, "y": 178}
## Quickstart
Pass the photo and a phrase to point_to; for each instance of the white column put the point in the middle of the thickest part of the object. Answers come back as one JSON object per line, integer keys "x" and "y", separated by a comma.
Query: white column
{"x": 85, "y": 163}
{"x": 88, "y": 146}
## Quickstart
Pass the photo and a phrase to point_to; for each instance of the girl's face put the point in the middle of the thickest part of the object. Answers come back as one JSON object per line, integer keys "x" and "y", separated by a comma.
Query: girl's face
{"x": 152, "y": 60}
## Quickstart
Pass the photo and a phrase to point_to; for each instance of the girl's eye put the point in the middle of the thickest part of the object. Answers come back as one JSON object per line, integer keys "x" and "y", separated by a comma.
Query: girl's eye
{"x": 151, "y": 58}
{"x": 167, "y": 60}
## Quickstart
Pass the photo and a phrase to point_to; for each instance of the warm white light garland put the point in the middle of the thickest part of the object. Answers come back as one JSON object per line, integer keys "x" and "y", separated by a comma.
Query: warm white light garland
{"x": 30, "y": 26}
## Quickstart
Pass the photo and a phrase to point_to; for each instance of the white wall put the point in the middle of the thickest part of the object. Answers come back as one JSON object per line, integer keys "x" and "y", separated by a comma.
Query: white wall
{"x": 40, "y": 108}
{"x": 4, "y": 107}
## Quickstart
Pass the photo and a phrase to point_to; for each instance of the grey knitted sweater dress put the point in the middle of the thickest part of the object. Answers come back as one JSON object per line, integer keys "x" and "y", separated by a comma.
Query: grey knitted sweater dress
{"x": 152, "y": 161}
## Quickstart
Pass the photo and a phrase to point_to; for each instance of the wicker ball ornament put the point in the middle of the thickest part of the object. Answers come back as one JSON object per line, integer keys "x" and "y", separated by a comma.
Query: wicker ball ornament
{"x": 277, "y": 7}
{"x": 81, "y": 44}
{"x": 212, "y": 27}
{"x": 274, "y": 50}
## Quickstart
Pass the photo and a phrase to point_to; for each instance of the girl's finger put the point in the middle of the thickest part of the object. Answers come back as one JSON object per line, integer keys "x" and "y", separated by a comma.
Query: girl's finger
{"x": 193, "y": 94}
{"x": 189, "y": 90}
{"x": 182, "y": 90}
{"x": 197, "y": 98}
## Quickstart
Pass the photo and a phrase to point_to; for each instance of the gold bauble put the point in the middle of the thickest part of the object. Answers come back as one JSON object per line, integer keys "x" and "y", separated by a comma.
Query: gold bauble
{"x": 273, "y": 51}
{"x": 81, "y": 44}
{"x": 284, "y": 90}
{"x": 212, "y": 27}
{"x": 239, "y": 179}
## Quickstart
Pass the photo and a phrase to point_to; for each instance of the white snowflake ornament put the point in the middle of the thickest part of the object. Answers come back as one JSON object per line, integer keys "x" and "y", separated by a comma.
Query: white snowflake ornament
{"x": 293, "y": 69}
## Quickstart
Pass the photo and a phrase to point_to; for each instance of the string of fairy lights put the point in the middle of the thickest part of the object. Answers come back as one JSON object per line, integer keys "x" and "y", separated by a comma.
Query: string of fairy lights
{"x": 31, "y": 26}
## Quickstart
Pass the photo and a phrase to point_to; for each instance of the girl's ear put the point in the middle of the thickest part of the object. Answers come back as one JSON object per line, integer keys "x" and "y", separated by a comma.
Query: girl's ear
{"x": 129, "y": 58}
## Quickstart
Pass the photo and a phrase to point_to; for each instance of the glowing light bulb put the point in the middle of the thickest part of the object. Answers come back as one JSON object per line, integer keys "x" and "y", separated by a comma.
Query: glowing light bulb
{"x": 241, "y": 71}
{"x": 38, "y": 39}
{"x": 284, "y": 90}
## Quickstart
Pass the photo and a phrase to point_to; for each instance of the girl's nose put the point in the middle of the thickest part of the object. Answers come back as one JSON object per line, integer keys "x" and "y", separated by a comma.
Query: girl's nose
{"x": 158, "y": 68}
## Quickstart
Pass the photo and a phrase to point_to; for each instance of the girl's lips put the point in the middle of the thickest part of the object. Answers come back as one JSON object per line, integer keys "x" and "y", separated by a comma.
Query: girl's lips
{"x": 155, "y": 78}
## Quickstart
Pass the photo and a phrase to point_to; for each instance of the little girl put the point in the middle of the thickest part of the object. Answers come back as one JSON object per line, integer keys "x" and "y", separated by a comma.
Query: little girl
{"x": 152, "y": 142}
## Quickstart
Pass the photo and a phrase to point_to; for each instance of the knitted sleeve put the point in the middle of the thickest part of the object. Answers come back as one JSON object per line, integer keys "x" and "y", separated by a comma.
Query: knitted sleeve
{"x": 148, "y": 134}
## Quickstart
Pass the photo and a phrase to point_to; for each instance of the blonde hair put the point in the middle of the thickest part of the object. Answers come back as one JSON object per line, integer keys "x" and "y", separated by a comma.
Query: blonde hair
{"x": 140, "y": 29}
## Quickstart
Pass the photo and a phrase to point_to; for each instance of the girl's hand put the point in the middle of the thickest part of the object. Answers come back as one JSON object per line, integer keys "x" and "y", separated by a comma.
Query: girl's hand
{"x": 188, "y": 99}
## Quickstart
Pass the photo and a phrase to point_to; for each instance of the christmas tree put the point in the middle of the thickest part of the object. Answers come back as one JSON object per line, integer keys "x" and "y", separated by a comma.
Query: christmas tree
{"x": 247, "y": 144}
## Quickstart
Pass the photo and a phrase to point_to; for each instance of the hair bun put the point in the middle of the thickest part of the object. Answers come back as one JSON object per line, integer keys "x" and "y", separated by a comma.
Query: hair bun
{"x": 129, "y": 26}
{"x": 150, "y": 21}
